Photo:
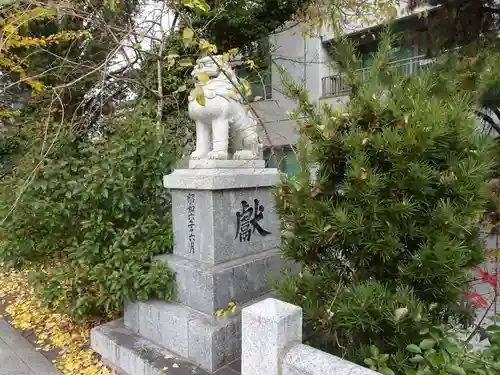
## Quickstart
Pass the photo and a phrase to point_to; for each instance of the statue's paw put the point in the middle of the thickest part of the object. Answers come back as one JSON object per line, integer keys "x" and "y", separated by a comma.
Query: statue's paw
{"x": 245, "y": 155}
{"x": 218, "y": 155}
{"x": 196, "y": 155}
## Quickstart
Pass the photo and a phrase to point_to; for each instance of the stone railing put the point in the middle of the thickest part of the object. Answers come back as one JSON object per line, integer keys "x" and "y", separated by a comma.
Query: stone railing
{"x": 272, "y": 344}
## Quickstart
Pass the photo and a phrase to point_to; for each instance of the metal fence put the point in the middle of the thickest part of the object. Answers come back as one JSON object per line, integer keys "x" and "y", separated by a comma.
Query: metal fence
{"x": 336, "y": 85}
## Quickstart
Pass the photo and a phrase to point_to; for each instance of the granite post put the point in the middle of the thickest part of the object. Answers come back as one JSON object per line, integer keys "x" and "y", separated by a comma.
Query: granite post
{"x": 272, "y": 344}
{"x": 226, "y": 248}
{"x": 269, "y": 327}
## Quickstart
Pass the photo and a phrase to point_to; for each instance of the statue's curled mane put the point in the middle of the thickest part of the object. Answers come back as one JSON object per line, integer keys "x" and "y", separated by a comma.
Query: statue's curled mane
{"x": 222, "y": 78}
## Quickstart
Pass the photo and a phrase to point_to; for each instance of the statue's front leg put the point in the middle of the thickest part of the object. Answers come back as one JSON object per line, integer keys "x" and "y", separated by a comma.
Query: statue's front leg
{"x": 202, "y": 140}
{"x": 220, "y": 141}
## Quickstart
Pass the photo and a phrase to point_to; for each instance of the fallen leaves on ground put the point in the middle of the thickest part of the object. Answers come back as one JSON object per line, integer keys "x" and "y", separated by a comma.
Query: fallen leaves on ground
{"x": 53, "y": 330}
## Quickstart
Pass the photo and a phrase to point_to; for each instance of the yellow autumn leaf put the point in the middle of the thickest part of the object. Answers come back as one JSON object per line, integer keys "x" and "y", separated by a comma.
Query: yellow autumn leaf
{"x": 205, "y": 46}
{"x": 57, "y": 330}
{"x": 203, "y": 77}
{"x": 393, "y": 12}
{"x": 200, "y": 99}
{"x": 199, "y": 95}
{"x": 201, "y": 5}
{"x": 251, "y": 64}
{"x": 9, "y": 29}
{"x": 187, "y": 36}
{"x": 185, "y": 62}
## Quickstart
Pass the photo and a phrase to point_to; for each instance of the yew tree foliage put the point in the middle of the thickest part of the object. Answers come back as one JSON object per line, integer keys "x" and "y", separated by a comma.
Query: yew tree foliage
{"x": 387, "y": 232}
{"x": 460, "y": 22}
{"x": 94, "y": 216}
{"x": 477, "y": 68}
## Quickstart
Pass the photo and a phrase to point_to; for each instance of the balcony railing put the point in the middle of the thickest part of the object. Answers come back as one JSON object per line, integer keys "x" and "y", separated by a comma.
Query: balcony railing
{"x": 336, "y": 85}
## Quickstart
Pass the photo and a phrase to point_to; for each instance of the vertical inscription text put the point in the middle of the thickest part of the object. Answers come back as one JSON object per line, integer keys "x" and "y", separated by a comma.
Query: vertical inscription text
{"x": 191, "y": 221}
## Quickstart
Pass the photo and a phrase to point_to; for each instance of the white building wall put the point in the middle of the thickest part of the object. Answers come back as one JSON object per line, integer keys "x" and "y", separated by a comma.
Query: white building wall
{"x": 304, "y": 59}
{"x": 354, "y": 24}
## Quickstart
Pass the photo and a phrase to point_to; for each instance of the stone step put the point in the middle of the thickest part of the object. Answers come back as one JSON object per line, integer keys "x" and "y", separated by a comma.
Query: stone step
{"x": 208, "y": 288}
{"x": 210, "y": 341}
{"x": 131, "y": 354}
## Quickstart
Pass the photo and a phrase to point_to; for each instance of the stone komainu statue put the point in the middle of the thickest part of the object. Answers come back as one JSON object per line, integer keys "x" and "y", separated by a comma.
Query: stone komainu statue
{"x": 223, "y": 123}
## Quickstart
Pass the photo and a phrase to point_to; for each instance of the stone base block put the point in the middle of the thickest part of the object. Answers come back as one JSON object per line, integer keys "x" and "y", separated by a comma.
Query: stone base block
{"x": 207, "y": 288}
{"x": 226, "y": 164}
{"x": 131, "y": 354}
{"x": 206, "y": 225}
{"x": 221, "y": 178}
{"x": 209, "y": 341}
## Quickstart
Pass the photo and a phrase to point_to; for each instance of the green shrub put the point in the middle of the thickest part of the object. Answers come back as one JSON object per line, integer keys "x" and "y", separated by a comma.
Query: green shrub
{"x": 390, "y": 225}
{"x": 93, "y": 217}
{"x": 439, "y": 351}
{"x": 9, "y": 147}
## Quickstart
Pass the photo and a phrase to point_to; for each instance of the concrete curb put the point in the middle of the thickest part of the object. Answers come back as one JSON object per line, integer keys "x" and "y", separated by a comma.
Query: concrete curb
{"x": 19, "y": 357}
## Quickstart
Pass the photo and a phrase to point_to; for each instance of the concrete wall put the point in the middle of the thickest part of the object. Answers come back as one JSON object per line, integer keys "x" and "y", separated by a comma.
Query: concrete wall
{"x": 337, "y": 102}
{"x": 305, "y": 59}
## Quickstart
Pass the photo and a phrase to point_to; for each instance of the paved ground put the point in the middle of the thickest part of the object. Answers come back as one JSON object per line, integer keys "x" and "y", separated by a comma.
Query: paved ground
{"x": 19, "y": 357}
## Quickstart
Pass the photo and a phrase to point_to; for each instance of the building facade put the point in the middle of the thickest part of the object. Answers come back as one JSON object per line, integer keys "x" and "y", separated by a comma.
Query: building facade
{"x": 307, "y": 58}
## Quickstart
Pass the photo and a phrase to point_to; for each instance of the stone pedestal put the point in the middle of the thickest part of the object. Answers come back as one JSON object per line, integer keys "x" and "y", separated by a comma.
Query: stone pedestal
{"x": 226, "y": 248}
